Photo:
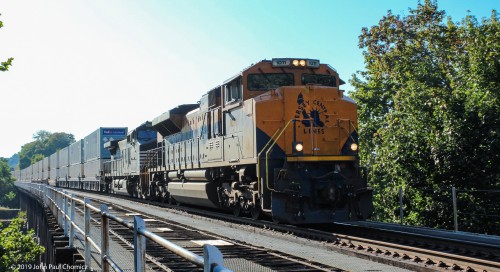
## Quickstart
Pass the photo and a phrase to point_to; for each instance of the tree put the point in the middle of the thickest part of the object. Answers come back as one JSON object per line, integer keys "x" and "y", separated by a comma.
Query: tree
{"x": 14, "y": 162}
{"x": 28, "y": 152}
{"x": 45, "y": 144}
{"x": 57, "y": 141}
{"x": 428, "y": 110}
{"x": 4, "y": 66}
{"x": 7, "y": 194}
{"x": 17, "y": 246}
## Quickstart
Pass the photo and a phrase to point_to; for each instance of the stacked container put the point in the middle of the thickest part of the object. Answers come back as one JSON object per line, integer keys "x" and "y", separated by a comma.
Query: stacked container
{"x": 64, "y": 163}
{"x": 76, "y": 161}
{"x": 94, "y": 152}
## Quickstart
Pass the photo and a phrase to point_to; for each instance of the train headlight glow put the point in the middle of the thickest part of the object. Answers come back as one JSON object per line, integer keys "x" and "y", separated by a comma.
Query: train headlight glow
{"x": 354, "y": 147}
{"x": 299, "y": 147}
{"x": 289, "y": 62}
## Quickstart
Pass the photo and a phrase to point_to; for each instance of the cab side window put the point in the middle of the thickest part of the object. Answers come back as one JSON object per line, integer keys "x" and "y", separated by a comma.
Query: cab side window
{"x": 233, "y": 91}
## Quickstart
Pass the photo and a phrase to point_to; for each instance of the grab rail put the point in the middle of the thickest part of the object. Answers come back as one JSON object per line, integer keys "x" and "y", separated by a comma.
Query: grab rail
{"x": 269, "y": 150}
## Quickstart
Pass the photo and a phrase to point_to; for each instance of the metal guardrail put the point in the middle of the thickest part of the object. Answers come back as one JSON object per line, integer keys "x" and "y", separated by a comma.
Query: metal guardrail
{"x": 59, "y": 202}
{"x": 461, "y": 206}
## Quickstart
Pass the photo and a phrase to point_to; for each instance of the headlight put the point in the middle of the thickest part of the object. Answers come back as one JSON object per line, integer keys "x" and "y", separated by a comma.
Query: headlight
{"x": 299, "y": 147}
{"x": 295, "y": 62}
{"x": 354, "y": 147}
{"x": 302, "y": 63}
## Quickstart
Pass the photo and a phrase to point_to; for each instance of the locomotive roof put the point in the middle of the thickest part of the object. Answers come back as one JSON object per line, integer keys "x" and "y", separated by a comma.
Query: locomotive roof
{"x": 341, "y": 82}
{"x": 167, "y": 122}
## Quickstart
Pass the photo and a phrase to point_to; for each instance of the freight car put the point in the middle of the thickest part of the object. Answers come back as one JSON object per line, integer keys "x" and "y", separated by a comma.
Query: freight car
{"x": 79, "y": 165}
{"x": 279, "y": 138}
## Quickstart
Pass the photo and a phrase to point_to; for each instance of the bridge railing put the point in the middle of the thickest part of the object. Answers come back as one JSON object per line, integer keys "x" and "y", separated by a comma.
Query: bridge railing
{"x": 63, "y": 206}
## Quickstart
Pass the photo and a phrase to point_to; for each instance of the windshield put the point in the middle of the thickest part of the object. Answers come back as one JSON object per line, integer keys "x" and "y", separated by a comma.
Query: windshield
{"x": 262, "y": 82}
{"x": 325, "y": 80}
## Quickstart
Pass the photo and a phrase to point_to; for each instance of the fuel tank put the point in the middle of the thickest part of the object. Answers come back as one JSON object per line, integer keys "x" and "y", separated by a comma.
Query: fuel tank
{"x": 194, "y": 193}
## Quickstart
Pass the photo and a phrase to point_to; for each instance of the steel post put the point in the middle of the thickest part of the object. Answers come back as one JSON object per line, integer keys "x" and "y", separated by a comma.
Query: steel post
{"x": 49, "y": 197}
{"x": 65, "y": 214}
{"x": 87, "y": 232}
{"x": 72, "y": 220}
{"x": 46, "y": 198}
{"x": 139, "y": 245}
{"x": 212, "y": 257}
{"x": 455, "y": 216}
{"x": 59, "y": 207}
{"x": 401, "y": 205}
{"x": 55, "y": 211}
{"x": 52, "y": 204}
{"x": 104, "y": 238}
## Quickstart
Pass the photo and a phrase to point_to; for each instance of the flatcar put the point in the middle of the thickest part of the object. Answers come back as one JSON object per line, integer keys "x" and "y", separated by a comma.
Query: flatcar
{"x": 278, "y": 139}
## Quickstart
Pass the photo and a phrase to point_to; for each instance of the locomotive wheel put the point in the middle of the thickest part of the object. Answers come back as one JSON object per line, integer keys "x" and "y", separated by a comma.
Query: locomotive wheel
{"x": 161, "y": 193}
{"x": 130, "y": 190}
{"x": 256, "y": 212}
{"x": 138, "y": 191}
{"x": 236, "y": 210}
{"x": 172, "y": 201}
{"x": 135, "y": 193}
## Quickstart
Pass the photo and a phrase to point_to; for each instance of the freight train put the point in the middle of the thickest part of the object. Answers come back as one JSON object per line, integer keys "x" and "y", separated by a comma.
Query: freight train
{"x": 277, "y": 139}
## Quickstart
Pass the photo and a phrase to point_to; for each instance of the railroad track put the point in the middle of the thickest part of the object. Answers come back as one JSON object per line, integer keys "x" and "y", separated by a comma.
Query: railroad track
{"x": 160, "y": 259}
{"x": 408, "y": 247}
{"x": 435, "y": 249}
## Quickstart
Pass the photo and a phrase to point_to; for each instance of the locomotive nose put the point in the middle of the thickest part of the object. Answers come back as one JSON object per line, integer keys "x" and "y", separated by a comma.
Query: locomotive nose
{"x": 314, "y": 111}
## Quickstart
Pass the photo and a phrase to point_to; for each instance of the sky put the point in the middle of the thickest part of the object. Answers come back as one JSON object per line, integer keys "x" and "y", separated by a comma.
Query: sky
{"x": 84, "y": 64}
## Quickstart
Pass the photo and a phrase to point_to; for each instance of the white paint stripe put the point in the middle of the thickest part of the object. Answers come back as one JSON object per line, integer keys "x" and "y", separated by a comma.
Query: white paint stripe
{"x": 212, "y": 242}
{"x": 163, "y": 229}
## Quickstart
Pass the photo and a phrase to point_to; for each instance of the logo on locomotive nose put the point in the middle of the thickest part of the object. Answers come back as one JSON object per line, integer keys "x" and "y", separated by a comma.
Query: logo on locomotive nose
{"x": 311, "y": 114}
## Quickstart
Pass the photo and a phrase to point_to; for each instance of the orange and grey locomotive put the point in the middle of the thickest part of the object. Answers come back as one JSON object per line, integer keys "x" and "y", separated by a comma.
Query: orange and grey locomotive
{"x": 279, "y": 138}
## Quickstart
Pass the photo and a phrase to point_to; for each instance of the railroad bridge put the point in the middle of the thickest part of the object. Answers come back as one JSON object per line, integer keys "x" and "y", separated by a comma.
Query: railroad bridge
{"x": 76, "y": 241}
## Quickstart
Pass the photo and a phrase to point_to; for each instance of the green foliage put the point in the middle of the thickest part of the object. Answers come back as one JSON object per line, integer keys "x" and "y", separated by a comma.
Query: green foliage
{"x": 14, "y": 162}
{"x": 36, "y": 158}
{"x": 45, "y": 144}
{"x": 4, "y": 66}
{"x": 7, "y": 194}
{"x": 5, "y": 174}
{"x": 428, "y": 107}
{"x": 17, "y": 246}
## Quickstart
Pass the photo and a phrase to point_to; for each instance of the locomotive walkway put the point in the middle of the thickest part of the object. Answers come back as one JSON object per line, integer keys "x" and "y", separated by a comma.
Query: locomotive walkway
{"x": 244, "y": 249}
